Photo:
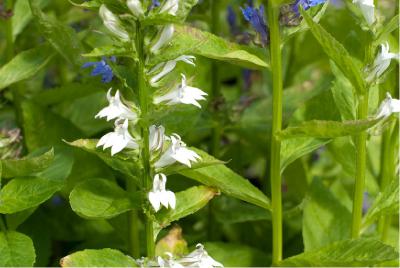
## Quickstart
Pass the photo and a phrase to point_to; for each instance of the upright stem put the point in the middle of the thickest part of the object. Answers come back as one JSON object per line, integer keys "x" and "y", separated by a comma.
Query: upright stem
{"x": 133, "y": 225}
{"x": 361, "y": 160}
{"x": 276, "y": 195}
{"x": 145, "y": 152}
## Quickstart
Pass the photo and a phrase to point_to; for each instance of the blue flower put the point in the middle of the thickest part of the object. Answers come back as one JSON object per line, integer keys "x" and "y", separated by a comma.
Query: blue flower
{"x": 257, "y": 20}
{"x": 154, "y": 4}
{"x": 101, "y": 68}
{"x": 306, "y": 4}
{"x": 231, "y": 18}
{"x": 366, "y": 203}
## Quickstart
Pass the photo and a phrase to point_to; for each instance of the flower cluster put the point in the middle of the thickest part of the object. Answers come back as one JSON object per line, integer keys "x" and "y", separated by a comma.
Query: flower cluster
{"x": 255, "y": 16}
{"x": 382, "y": 62}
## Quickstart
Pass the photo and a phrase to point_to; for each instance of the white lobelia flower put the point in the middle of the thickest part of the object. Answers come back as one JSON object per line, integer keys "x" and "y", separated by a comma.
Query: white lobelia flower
{"x": 368, "y": 10}
{"x": 182, "y": 94}
{"x": 199, "y": 258}
{"x": 112, "y": 22}
{"x": 118, "y": 139}
{"x": 159, "y": 195}
{"x": 171, "y": 6}
{"x": 382, "y": 62}
{"x": 168, "y": 66}
{"x": 116, "y": 109}
{"x": 157, "y": 138}
{"x": 171, "y": 263}
{"x": 166, "y": 34}
{"x": 135, "y": 6}
{"x": 388, "y": 107}
{"x": 177, "y": 151}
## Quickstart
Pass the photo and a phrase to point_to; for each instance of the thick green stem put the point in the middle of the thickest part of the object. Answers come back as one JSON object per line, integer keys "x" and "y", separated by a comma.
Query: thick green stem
{"x": 361, "y": 160}
{"x": 145, "y": 151}
{"x": 276, "y": 194}
{"x": 133, "y": 225}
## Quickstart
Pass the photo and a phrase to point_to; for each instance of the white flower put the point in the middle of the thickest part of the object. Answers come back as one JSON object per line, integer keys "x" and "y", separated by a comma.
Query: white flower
{"x": 135, "y": 6}
{"x": 387, "y": 107}
{"x": 368, "y": 9}
{"x": 119, "y": 139}
{"x": 159, "y": 196}
{"x": 157, "y": 138}
{"x": 199, "y": 258}
{"x": 168, "y": 66}
{"x": 168, "y": 263}
{"x": 112, "y": 23}
{"x": 182, "y": 94}
{"x": 171, "y": 6}
{"x": 382, "y": 62}
{"x": 116, "y": 109}
{"x": 165, "y": 36}
{"x": 177, "y": 151}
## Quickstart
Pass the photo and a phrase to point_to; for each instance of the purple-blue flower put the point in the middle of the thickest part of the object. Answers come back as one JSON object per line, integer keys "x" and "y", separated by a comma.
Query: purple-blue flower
{"x": 101, "y": 68}
{"x": 231, "y": 18}
{"x": 366, "y": 203}
{"x": 306, "y": 4}
{"x": 257, "y": 20}
{"x": 154, "y": 4}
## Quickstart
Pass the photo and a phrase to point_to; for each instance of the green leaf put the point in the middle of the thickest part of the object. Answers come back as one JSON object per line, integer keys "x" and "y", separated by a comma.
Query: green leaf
{"x": 28, "y": 165}
{"x": 16, "y": 219}
{"x": 337, "y": 53}
{"x": 359, "y": 252}
{"x": 184, "y": 8}
{"x": 386, "y": 203}
{"x": 196, "y": 42}
{"x": 98, "y": 258}
{"x": 327, "y": 129}
{"x": 22, "y": 15}
{"x": 25, "y": 65}
{"x": 110, "y": 50}
{"x": 119, "y": 162}
{"x": 230, "y": 183}
{"x": 101, "y": 199}
{"x": 16, "y": 250}
{"x": 391, "y": 26}
{"x": 325, "y": 220}
{"x": 63, "y": 38}
{"x": 187, "y": 203}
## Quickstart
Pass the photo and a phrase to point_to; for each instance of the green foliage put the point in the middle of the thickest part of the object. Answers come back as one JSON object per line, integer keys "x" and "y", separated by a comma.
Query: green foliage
{"x": 98, "y": 258}
{"x": 16, "y": 250}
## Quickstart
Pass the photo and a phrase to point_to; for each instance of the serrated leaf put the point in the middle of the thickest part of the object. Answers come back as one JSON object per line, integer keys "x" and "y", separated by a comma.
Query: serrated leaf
{"x": 358, "y": 252}
{"x": 101, "y": 199}
{"x": 327, "y": 129}
{"x": 16, "y": 250}
{"x": 337, "y": 53}
{"x": 25, "y": 65}
{"x": 98, "y": 258}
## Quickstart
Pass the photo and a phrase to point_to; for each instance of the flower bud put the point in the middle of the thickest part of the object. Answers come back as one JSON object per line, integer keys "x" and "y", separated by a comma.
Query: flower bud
{"x": 112, "y": 23}
{"x": 171, "y": 6}
{"x": 165, "y": 37}
{"x": 135, "y": 6}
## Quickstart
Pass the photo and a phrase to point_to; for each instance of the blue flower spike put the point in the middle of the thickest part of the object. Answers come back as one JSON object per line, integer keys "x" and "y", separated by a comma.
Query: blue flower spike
{"x": 257, "y": 20}
{"x": 101, "y": 68}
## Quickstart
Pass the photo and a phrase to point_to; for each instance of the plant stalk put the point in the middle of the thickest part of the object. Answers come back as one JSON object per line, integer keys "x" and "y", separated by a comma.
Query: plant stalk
{"x": 275, "y": 171}
{"x": 145, "y": 152}
{"x": 133, "y": 225}
{"x": 361, "y": 163}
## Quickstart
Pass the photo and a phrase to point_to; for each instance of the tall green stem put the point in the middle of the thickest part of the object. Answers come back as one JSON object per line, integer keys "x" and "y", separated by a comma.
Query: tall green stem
{"x": 145, "y": 152}
{"x": 276, "y": 194}
{"x": 133, "y": 225}
{"x": 361, "y": 160}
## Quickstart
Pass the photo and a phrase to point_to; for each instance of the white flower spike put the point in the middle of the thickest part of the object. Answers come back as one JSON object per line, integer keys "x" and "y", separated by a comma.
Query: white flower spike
{"x": 135, "y": 6}
{"x": 119, "y": 139}
{"x": 177, "y": 151}
{"x": 165, "y": 36}
{"x": 368, "y": 9}
{"x": 199, "y": 258}
{"x": 157, "y": 138}
{"x": 182, "y": 94}
{"x": 159, "y": 195}
{"x": 171, "y": 6}
{"x": 382, "y": 62}
{"x": 388, "y": 107}
{"x": 168, "y": 66}
{"x": 112, "y": 22}
{"x": 116, "y": 109}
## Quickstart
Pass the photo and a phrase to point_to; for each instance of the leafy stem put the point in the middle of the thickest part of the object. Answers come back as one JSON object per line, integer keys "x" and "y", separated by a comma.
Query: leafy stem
{"x": 133, "y": 224}
{"x": 275, "y": 173}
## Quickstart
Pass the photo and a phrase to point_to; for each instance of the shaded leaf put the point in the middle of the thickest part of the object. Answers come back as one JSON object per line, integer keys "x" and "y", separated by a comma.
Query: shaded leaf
{"x": 98, "y": 258}
{"x": 16, "y": 250}
{"x": 22, "y": 15}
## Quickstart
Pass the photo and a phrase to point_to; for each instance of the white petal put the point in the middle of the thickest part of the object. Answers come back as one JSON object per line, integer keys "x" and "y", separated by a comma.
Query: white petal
{"x": 154, "y": 200}
{"x": 165, "y": 37}
{"x": 171, "y": 199}
{"x": 118, "y": 146}
{"x": 135, "y": 6}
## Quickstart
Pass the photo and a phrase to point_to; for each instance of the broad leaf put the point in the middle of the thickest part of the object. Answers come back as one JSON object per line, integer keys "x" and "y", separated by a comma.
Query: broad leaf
{"x": 16, "y": 250}
{"x": 23, "y": 15}
{"x": 184, "y": 8}
{"x": 25, "y": 65}
{"x": 98, "y": 258}
{"x": 101, "y": 199}
{"x": 337, "y": 53}
{"x": 359, "y": 252}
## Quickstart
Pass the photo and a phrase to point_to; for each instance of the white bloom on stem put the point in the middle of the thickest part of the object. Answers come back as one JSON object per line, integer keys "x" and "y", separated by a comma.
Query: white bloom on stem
{"x": 382, "y": 62}
{"x": 119, "y": 139}
{"x": 112, "y": 22}
{"x": 177, "y": 152}
{"x": 159, "y": 195}
{"x": 388, "y": 107}
{"x": 165, "y": 36}
{"x": 116, "y": 108}
{"x": 368, "y": 10}
{"x": 156, "y": 138}
{"x": 199, "y": 258}
{"x": 135, "y": 6}
{"x": 168, "y": 66}
{"x": 182, "y": 94}
{"x": 171, "y": 6}
{"x": 171, "y": 263}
